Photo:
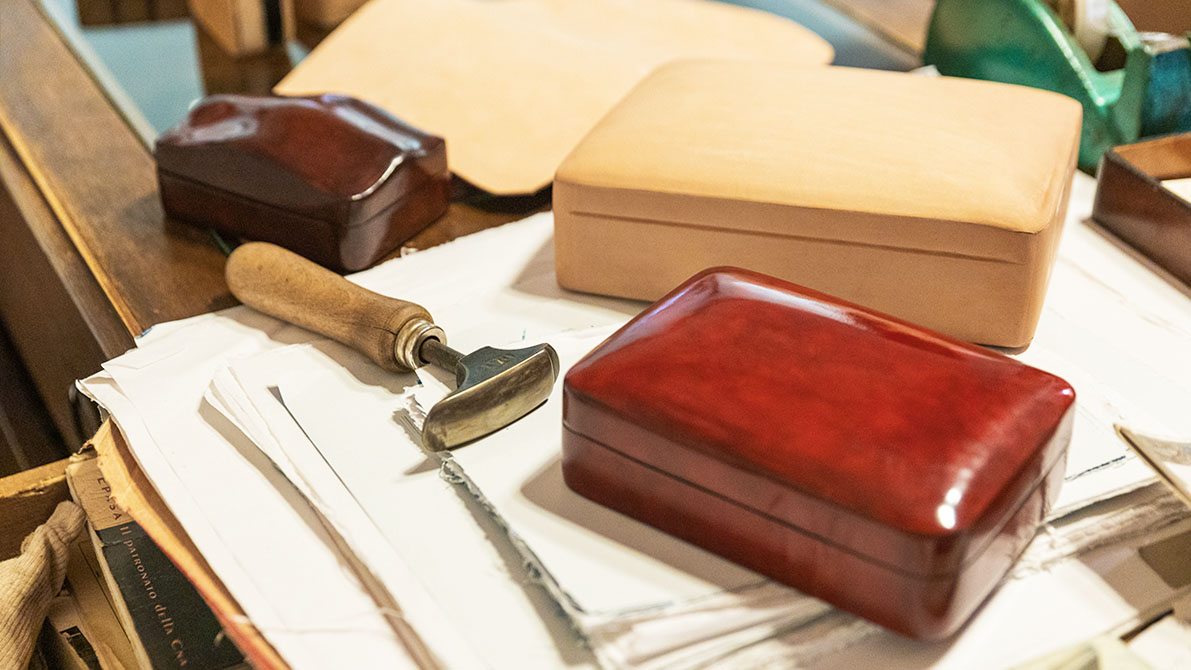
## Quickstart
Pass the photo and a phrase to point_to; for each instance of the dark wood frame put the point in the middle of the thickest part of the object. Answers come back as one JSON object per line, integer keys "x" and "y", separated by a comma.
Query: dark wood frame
{"x": 86, "y": 260}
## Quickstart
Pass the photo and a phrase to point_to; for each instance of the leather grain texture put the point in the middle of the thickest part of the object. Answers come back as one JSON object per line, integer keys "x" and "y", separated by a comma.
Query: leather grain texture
{"x": 937, "y": 200}
{"x": 1132, "y": 202}
{"x": 513, "y": 85}
{"x": 895, "y": 472}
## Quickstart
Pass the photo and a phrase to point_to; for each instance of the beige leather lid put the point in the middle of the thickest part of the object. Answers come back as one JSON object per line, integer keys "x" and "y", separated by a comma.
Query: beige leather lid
{"x": 513, "y": 85}
{"x": 916, "y": 162}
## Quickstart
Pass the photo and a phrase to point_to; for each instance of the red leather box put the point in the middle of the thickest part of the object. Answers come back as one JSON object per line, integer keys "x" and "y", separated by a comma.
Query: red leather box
{"x": 329, "y": 177}
{"x": 891, "y": 471}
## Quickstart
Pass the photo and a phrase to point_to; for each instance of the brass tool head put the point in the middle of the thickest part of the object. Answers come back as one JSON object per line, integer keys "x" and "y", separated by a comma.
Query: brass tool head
{"x": 494, "y": 387}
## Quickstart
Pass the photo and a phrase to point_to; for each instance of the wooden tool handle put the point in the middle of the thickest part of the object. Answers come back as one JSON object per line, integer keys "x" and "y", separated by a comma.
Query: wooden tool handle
{"x": 285, "y": 285}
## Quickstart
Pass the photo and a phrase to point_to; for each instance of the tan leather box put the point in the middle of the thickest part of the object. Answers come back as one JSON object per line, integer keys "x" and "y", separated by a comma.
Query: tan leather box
{"x": 933, "y": 199}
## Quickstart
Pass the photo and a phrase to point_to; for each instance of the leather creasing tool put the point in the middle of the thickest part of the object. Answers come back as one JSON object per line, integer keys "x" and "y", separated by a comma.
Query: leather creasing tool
{"x": 494, "y": 387}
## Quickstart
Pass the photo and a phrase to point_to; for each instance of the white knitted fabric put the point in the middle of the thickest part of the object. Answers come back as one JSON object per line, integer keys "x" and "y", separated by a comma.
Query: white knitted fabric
{"x": 30, "y": 580}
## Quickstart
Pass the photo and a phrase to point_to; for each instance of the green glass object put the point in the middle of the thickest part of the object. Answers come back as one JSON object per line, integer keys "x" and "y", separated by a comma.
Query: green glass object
{"x": 1167, "y": 107}
{"x": 1139, "y": 89}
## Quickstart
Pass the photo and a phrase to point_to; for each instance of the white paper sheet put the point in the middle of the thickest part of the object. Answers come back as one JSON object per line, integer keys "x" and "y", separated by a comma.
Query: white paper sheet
{"x": 1180, "y": 187}
{"x": 232, "y": 501}
{"x": 612, "y": 566}
{"x": 1071, "y": 602}
{"x": 500, "y": 287}
{"x": 247, "y": 394}
{"x": 1087, "y": 328}
{"x": 594, "y": 554}
{"x": 183, "y": 443}
{"x": 580, "y": 558}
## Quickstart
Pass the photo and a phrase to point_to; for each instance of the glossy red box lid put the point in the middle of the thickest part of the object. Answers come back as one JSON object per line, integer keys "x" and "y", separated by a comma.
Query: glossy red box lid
{"x": 903, "y": 446}
{"x": 329, "y": 177}
{"x": 329, "y": 157}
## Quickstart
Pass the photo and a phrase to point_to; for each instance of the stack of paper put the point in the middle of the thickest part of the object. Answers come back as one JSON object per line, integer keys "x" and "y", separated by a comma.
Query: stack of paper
{"x": 294, "y": 465}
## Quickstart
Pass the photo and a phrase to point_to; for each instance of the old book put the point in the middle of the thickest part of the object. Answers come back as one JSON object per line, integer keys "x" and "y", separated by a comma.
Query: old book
{"x": 64, "y": 642}
{"x": 166, "y": 620}
{"x": 37, "y": 661}
{"x": 245, "y": 27}
{"x": 97, "y": 608}
{"x": 135, "y": 494}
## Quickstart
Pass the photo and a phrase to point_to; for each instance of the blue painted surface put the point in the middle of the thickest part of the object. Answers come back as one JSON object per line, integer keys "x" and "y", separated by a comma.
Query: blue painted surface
{"x": 855, "y": 45}
{"x": 155, "y": 65}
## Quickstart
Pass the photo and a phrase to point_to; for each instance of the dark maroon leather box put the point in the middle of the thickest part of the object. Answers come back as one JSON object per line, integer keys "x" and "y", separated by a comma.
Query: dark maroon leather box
{"x": 891, "y": 471}
{"x": 1132, "y": 202}
{"x": 330, "y": 177}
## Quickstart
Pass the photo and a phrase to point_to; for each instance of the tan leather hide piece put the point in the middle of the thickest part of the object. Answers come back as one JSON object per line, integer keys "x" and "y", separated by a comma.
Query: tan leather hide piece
{"x": 936, "y": 200}
{"x": 513, "y": 85}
